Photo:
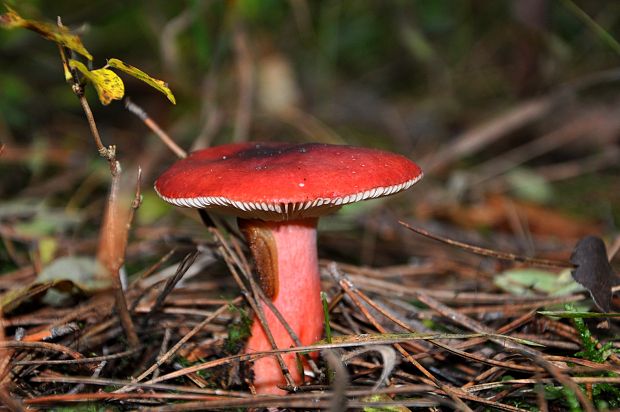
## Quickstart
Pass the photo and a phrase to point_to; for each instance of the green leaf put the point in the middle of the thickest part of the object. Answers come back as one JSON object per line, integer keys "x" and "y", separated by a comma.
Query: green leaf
{"x": 61, "y": 35}
{"x": 48, "y": 246}
{"x": 592, "y": 349}
{"x": 36, "y": 220}
{"x": 140, "y": 75}
{"x": 328, "y": 329}
{"x": 84, "y": 272}
{"x": 151, "y": 208}
{"x": 529, "y": 186}
{"x": 378, "y": 398}
{"x": 532, "y": 282}
{"x": 59, "y": 281}
{"x": 107, "y": 83}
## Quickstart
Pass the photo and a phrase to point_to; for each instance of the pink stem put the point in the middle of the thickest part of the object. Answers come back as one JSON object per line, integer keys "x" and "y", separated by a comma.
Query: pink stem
{"x": 297, "y": 298}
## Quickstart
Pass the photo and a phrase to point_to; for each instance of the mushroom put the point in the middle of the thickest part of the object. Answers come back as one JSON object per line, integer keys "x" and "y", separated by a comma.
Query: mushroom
{"x": 278, "y": 191}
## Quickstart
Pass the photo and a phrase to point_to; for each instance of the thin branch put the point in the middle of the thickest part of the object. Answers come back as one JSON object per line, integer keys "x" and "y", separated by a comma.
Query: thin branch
{"x": 186, "y": 263}
{"x": 498, "y": 254}
{"x": 151, "y": 124}
{"x": 108, "y": 153}
{"x": 93, "y": 359}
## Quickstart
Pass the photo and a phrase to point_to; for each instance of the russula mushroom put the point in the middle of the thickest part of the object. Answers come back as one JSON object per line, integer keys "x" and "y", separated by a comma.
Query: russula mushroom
{"x": 278, "y": 191}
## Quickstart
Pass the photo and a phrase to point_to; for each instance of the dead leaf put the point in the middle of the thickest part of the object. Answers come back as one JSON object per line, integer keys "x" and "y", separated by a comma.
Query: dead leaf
{"x": 13, "y": 299}
{"x": 593, "y": 270}
{"x": 107, "y": 83}
{"x": 140, "y": 75}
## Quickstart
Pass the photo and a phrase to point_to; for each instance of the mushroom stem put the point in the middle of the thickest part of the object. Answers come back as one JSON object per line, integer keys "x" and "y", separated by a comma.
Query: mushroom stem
{"x": 286, "y": 260}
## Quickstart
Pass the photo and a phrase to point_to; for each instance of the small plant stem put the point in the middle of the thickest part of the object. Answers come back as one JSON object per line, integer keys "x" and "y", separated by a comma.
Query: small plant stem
{"x": 603, "y": 34}
{"x": 111, "y": 253}
{"x": 328, "y": 328}
{"x": 123, "y": 314}
{"x": 113, "y": 237}
{"x": 107, "y": 153}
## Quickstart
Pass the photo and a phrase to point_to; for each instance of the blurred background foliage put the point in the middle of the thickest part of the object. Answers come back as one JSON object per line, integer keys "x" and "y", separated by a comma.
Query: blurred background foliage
{"x": 414, "y": 77}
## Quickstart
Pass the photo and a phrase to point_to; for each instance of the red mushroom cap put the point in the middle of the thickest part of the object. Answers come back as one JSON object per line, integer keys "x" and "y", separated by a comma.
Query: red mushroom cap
{"x": 280, "y": 181}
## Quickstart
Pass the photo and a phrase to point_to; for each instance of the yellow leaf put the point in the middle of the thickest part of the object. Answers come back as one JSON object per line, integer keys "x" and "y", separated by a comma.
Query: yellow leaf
{"x": 139, "y": 74}
{"x": 11, "y": 19}
{"x": 47, "y": 249}
{"x": 107, "y": 83}
{"x": 60, "y": 35}
{"x": 65, "y": 69}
